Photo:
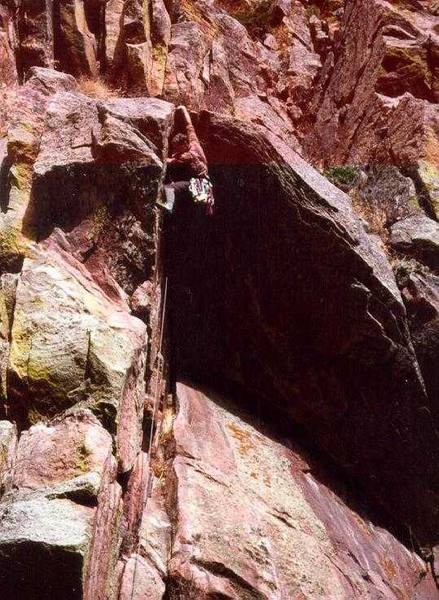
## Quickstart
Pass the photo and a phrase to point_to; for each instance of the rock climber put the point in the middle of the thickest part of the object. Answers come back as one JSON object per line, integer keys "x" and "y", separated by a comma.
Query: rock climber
{"x": 189, "y": 162}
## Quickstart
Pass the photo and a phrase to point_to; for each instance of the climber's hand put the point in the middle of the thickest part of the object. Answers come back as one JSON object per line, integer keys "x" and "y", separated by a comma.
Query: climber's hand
{"x": 184, "y": 112}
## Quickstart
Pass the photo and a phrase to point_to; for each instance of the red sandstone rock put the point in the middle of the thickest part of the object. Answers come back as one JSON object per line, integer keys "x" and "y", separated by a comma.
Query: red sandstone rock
{"x": 8, "y": 68}
{"x": 76, "y": 46}
{"x": 364, "y": 106}
{"x": 100, "y": 580}
{"x": 48, "y": 455}
{"x": 299, "y": 287}
{"x": 35, "y": 34}
{"x": 282, "y": 293}
{"x": 253, "y": 518}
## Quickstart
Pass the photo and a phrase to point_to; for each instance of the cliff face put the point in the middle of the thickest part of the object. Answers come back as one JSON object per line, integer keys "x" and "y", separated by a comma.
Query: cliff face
{"x": 242, "y": 406}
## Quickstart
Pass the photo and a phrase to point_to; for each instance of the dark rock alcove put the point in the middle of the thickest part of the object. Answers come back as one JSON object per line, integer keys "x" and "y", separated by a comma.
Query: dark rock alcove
{"x": 283, "y": 295}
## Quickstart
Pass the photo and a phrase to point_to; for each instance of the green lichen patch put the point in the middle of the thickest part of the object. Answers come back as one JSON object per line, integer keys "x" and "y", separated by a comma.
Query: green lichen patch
{"x": 343, "y": 176}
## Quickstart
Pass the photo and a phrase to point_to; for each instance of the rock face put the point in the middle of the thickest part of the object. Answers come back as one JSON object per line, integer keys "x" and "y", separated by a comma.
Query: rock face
{"x": 73, "y": 356}
{"x": 307, "y": 466}
{"x": 380, "y": 72}
{"x": 241, "y": 497}
{"x": 312, "y": 360}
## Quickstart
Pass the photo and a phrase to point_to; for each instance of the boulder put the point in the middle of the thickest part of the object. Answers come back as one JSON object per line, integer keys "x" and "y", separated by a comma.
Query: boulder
{"x": 62, "y": 455}
{"x": 140, "y": 581}
{"x": 417, "y": 236}
{"x": 43, "y": 544}
{"x": 390, "y": 191}
{"x": 253, "y": 519}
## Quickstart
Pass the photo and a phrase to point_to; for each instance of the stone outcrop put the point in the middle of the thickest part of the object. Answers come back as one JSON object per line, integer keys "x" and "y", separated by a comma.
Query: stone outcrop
{"x": 380, "y": 74}
{"x": 73, "y": 356}
{"x": 254, "y": 519}
{"x": 417, "y": 236}
{"x": 47, "y": 509}
{"x": 308, "y": 304}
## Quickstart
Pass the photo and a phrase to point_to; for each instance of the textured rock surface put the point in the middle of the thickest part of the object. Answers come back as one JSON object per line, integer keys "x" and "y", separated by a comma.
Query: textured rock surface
{"x": 8, "y": 449}
{"x": 61, "y": 454}
{"x": 112, "y": 487}
{"x": 243, "y": 497}
{"x": 420, "y": 289}
{"x": 418, "y": 236}
{"x": 378, "y": 77}
{"x": 98, "y": 360}
{"x": 70, "y": 345}
{"x": 42, "y": 547}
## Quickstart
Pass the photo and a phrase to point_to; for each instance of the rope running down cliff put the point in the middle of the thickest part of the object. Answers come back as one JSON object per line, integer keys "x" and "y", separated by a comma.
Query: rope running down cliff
{"x": 150, "y": 474}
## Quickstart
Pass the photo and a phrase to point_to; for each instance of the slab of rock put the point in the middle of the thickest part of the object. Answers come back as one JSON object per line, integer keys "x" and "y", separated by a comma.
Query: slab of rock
{"x": 8, "y": 67}
{"x": 43, "y": 544}
{"x": 420, "y": 290}
{"x": 145, "y": 568}
{"x": 140, "y": 54}
{"x": 63, "y": 455}
{"x": 25, "y": 125}
{"x": 76, "y": 46}
{"x": 100, "y": 579}
{"x": 428, "y": 180}
{"x": 249, "y": 523}
{"x": 147, "y": 119}
{"x": 8, "y": 285}
{"x": 109, "y": 161}
{"x": 140, "y": 581}
{"x": 35, "y": 35}
{"x": 417, "y": 236}
{"x": 113, "y": 13}
{"x": 98, "y": 359}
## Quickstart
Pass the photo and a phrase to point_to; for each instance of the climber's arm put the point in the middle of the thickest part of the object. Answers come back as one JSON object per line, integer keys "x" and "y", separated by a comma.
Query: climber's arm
{"x": 179, "y": 158}
{"x": 190, "y": 130}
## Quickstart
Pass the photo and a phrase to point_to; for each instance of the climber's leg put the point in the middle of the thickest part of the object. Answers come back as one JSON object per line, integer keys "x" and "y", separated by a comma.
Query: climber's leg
{"x": 174, "y": 192}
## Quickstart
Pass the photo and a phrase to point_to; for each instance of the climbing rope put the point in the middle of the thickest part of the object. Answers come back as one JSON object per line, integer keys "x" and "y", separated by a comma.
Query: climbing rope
{"x": 152, "y": 432}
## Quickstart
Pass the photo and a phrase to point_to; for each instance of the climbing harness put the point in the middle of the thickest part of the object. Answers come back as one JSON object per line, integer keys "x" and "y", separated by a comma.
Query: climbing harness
{"x": 153, "y": 430}
{"x": 201, "y": 189}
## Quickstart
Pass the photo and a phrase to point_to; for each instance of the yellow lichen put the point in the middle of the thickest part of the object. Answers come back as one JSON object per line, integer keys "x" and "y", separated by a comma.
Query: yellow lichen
{"x": 34, "y": 416}
{"x": 83, "y": 454}
{"x": 243, "y": 437}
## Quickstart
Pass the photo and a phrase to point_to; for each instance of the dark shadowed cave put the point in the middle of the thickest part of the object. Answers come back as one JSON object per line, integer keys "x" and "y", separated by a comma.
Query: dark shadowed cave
{"x": 267, "y": 297}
